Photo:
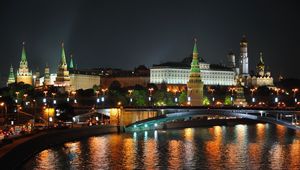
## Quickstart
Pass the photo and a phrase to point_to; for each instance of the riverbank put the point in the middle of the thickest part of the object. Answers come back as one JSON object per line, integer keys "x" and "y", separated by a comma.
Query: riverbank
{"x": 14, "y": 154}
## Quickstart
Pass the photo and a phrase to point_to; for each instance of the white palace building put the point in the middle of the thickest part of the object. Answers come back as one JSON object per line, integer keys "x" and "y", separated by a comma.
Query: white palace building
{"x": 178, "y": 73}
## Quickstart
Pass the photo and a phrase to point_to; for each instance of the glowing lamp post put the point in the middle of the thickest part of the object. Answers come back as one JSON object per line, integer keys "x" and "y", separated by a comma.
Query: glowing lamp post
{"x": 150, "y": 94}
{"x": 252, "y": 92}
{"x": 295, "y": 90}
{"x": 130, "y": 98}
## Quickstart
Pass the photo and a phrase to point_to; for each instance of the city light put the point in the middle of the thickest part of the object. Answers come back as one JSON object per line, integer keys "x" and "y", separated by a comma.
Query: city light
{"x": 98, "y": 100}
{"x": 44, "y": 100}
{"x": 50, "y": 119}
{"x": 276, "y": 99}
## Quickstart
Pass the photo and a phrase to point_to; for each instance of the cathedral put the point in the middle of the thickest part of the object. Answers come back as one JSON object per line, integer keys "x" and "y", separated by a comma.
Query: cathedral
{"x": 260, "y": 78}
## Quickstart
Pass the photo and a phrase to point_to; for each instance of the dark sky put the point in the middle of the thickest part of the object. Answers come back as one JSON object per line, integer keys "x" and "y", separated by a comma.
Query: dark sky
{"x": 125, "y": 34}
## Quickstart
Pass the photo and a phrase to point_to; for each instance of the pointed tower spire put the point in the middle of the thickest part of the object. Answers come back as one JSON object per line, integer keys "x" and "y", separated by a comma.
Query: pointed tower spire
{"x": 261, "y": 58}
{"x": 23, "y": 56}
{"x": 195, "y": 50}
{"x": 11, "y": 77}
{"x": 63, "y": 55}
{"x": 71, "y": 66}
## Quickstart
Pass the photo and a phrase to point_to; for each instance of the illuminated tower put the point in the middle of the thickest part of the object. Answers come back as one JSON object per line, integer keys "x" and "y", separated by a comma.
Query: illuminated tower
{"x": 71, "y": 65}
{"x": 47, "y": 81}
{"x": 36, "y": 78}
{"x": 63, "y": 78}
{"x": 244, "y": 66}
{"x": 260, "y": 66}
{"x": 11, "y": 77}
{"x": 23, "y": 74}
{"x": 195, "y": 84}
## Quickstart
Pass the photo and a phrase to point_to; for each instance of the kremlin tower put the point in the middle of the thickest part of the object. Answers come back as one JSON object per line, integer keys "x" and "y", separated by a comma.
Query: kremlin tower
{"x": 63, "y": 77}
{"x": 47, "y": 80}
{"x": 23, "y": 74}
{"x": 11, "y": 77}
{"x": 195, "y": 84}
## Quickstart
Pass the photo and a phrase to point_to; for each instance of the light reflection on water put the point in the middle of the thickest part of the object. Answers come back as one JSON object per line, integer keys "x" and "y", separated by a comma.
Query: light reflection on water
{"x": 260, "y": 146}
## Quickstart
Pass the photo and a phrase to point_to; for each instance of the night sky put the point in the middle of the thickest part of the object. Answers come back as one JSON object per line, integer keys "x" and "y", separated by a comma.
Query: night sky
{"x": 125, "y": 34}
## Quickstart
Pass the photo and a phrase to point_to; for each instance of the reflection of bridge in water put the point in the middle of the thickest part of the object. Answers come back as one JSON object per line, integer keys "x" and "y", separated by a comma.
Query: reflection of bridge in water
{"x": 154, "y": 118}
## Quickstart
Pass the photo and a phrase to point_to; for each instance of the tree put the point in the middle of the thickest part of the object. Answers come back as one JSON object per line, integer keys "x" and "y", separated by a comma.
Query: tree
{"x": 139, "y": 97}
{"x": 163, "y": 98}
{"x": 227, "y": 100}
{"x": 206, "y": 101}
{"x": 182, "y": 97}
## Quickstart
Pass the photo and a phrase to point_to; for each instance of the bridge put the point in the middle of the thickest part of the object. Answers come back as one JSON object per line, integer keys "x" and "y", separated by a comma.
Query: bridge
{"x": 288, "y": 118}
{"x": 146, "y": 118}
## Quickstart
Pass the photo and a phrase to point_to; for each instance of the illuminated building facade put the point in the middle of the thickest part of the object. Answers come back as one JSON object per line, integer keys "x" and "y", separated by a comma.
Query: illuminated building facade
{"x": 195, "y": 84}
{"x": 24, "y": 74}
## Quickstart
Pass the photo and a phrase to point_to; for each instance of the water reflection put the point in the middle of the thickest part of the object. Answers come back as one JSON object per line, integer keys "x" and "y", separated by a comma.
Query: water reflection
{"x": 260, "y": 146}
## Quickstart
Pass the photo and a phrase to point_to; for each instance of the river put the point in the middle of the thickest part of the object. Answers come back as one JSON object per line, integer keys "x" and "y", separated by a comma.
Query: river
{"x": 257, "y": 146}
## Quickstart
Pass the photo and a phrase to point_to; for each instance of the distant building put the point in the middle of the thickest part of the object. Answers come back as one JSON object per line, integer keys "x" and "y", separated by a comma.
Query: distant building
{"x": 11, "y": 76}
{"x": 178, "y": 73}
{"x": 84, "y": 79}
{"x": 262, "y": 77}
{"x": 47, "y": 79}
{"x": 24, "y": 74}
{"x": 127, "y": 78}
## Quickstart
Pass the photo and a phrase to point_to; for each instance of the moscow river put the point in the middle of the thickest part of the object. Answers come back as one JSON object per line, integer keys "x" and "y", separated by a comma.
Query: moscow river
{"x": 257, "y": 146}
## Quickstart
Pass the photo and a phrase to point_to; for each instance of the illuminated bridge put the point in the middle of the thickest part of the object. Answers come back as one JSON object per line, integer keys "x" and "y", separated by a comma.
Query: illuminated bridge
{"x": 288, "y": 118}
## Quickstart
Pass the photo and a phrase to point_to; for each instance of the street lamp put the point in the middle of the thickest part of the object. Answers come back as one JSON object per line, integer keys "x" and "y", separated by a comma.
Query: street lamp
{"x": 17, "y": 96}
{"x": 74, "y": 96}
{"x": 130, "y": 92}
{"x": 295, "y": 90}
{"x": 252, "y": 91}
{"x": 150, "y": 94}
{"x": 212, "y": 93}
{"x": 2, "y": 104}
{"x": 53, "y": 98}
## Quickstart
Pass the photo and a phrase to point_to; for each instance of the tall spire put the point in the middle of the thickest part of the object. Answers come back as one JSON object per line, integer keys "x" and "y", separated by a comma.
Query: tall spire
{"x": 195, "y": 62}
{"x": 261, "y": 61}
{"x": 23, "y": 56}
{"x": 71, "y": 66}
{"x": 195, "y": 50}
{"x": 11, "y": 76}
{"x": 63, "y": 55}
